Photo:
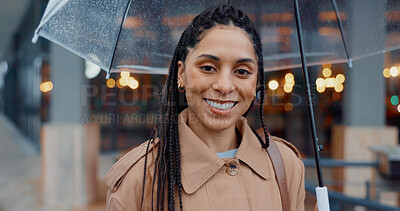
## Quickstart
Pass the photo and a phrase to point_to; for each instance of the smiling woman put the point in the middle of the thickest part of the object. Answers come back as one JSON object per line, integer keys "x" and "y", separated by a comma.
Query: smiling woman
{"x": 204, "y": 154}
{"x": 220, "y": 78}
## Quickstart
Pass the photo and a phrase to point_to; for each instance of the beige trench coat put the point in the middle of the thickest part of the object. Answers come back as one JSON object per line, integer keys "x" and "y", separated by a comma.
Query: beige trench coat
{"x": 245, "y": 182}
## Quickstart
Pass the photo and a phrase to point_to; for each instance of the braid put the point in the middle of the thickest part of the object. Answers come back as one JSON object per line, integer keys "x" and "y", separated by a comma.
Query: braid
{"x": 261, "y": 78}
{"x": 167, "y": 169}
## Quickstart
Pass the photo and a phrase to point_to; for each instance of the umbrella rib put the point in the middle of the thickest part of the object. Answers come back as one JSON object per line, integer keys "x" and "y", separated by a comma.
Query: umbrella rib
{"x": 116, "y": 39}
{"x": 339, "y": 22}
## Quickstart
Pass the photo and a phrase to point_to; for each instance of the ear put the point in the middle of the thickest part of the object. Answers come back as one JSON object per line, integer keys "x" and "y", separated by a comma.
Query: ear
{"x": 181, "y": 71}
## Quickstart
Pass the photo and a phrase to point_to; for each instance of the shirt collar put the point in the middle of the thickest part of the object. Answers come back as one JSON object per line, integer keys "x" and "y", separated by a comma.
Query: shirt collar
{"x": 199, "y": 163}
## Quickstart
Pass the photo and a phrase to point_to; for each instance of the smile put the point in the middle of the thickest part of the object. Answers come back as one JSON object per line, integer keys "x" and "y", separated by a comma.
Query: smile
{"x": 221, "y": 105}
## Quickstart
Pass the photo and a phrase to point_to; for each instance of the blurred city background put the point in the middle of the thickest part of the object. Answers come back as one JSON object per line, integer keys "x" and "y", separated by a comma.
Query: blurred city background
{"x": 63, "y": 124}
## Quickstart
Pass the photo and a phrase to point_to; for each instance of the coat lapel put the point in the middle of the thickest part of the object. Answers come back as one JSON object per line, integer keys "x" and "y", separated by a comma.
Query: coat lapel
{"x": 199, "y": 163}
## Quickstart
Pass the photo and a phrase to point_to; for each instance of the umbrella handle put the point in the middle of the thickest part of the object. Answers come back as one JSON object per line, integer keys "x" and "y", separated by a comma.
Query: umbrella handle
{"x": 322, "y": 198}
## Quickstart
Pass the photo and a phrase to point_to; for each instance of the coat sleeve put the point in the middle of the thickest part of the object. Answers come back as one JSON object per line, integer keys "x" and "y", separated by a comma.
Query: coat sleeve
{"x": 125, "y": 181}
{"x": 128, "y": 195}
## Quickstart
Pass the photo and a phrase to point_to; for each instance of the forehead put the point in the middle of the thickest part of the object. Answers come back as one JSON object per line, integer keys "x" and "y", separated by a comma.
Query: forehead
{"x": 225, "y": 41}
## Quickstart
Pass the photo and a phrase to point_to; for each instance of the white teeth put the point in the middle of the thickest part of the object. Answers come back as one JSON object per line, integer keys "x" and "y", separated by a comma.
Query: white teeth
{"x": 224, "y": 106}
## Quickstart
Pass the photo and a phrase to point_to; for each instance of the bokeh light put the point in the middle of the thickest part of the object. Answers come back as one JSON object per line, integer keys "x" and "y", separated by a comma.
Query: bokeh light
{"x": 330, "y": 82}
{"x": 394, "y": 71}
{"x": 327, "y": 65}
{"x": 119, "y": 84}
{"x": 339, "y": 87}
{"x": 125, "y": 74}
{"x": 289, "y": 77}
{"x": 123, "y": 81}
{"x": 320, "y": 82}
{"x": 288, "y": 106}
{"x": 340, "y": 78}
{"x": 386, "y": 72}
{"x": 394, "y": 100}
{"x": 273, "y": 84}
{"x": 326, "y": 72}
{"x": 110, "y": 83}
{"x": 133, "y": 83}
{"x": 46, "y": 86}
{"x": 287, "y": 88}
{"x": 320, "y": 89}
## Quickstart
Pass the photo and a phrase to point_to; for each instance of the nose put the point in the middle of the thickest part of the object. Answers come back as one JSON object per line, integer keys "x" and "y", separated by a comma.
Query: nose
{"x": 223, "y": 83}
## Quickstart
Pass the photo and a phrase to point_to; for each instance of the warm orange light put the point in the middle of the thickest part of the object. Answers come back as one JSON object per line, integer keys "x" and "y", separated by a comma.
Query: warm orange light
{"x": 277, "y": 17}
{"x": 289, "y": 77}
{"x": 393, "y": 15}
{"x": 46, "y": 86}
{"x": 119, "y": 84}
{"x": 133, "y": 83}
{"x": 340, "y": 78}
{"x": 328, "y": 31}
{"x": 133, "y": 22}
{"x": 327, "y": 65}
{"x": 287, "y": 88}
{"x": 125, "y": 74}
{"x": 285, "y": 31}
{"x": 330, "y": 82}
{"x": 320, "y": 89}
{"x": 110, "y": 83}
{"x": 339, "y": 87}
{"x": 177, "y": 21}
{"x": 326, "y": 72}
{"x": 123, "y": 81}
{"x": 320, "y": 82}
{"x": 288, "y": 106}
{"x": 331, "y": 16}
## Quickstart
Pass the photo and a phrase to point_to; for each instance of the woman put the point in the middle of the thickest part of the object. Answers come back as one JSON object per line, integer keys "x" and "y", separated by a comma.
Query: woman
{"x": 204, "y": 155}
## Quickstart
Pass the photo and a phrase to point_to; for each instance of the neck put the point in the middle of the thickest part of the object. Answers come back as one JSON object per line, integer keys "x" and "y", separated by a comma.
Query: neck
{"x": 216, "y": 140}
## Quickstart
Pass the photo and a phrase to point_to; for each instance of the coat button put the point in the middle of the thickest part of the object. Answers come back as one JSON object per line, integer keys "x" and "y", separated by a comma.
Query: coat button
{"x": 232, "y": 170}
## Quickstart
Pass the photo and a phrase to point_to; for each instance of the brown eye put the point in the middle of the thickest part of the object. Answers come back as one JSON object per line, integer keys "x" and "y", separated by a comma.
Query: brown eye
{"x": 207, "y": 68}
{"x": 242, "y": 72}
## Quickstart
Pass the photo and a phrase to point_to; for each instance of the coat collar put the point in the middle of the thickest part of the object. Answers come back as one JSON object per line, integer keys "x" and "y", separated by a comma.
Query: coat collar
{"x": 199, "y": 163}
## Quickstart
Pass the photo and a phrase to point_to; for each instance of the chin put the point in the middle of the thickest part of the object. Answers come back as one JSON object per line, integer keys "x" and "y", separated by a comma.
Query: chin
{"x": 218, "y": 124}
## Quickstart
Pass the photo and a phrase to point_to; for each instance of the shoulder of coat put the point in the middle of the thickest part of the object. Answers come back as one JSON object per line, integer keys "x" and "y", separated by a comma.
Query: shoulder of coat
{"x": 288, "y": 145}
{"x": 118, "y": 171}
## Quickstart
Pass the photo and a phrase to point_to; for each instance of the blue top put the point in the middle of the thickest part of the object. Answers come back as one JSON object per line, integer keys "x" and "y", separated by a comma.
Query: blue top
{"x": 228, "y": 154}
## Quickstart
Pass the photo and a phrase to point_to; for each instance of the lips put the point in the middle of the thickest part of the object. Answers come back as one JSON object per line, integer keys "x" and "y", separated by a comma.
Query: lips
{"x": 222, "y": 105}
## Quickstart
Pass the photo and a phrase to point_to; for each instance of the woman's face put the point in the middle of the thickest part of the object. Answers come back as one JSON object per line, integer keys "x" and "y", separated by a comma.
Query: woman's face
{"x": 220, "y": 77}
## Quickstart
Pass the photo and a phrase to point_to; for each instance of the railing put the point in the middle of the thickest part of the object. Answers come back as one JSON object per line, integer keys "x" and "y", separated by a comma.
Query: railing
{"x": 340, "y": 201}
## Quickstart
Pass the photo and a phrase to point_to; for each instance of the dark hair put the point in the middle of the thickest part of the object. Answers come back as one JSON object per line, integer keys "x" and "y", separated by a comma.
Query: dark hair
{"x": 167, "y": 168}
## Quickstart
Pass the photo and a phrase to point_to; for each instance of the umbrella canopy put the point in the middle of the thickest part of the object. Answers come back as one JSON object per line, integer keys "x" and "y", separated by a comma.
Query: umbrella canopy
{"x": 139, "y": 35}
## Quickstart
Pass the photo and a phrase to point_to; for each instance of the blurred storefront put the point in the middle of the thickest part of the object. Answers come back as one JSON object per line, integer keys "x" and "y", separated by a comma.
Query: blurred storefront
{"x": 126, "y": 106}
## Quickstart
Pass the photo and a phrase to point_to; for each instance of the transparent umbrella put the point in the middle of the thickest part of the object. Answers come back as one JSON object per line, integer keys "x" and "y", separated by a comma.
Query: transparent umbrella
{"x": 140, "y": 35}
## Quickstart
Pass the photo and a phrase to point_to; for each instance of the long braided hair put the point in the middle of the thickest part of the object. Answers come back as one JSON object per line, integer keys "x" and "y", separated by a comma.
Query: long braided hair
{"x": 167, "y": 162}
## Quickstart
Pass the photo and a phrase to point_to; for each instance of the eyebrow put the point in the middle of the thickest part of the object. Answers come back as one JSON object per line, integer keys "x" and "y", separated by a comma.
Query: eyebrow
{"x": 245, "y": 60}
{"x": 208, "y": 56}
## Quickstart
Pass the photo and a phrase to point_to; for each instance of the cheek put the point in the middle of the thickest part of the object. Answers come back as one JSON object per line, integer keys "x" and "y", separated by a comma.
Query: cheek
{"x": 249, "y": 88}
{"x": 194, "y": 86}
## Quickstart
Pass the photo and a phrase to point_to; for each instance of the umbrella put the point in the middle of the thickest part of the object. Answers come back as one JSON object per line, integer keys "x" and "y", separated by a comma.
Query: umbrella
{"x": 138, "y": 36}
